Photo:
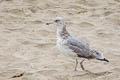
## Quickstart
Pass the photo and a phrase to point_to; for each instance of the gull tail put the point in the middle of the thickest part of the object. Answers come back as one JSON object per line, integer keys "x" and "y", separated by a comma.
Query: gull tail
{"x": 104, "y": 60}
{"x": 99, "y": 56}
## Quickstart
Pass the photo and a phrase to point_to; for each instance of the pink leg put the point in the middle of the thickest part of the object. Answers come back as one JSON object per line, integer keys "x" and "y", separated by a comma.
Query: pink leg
{"x": 81, "y": 64}
{"x": 76, "y": 65}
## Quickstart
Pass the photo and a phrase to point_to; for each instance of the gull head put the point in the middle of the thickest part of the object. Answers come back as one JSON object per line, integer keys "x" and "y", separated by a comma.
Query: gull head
{"x": 57, "y": 20}
{"x": 99, "y": 56}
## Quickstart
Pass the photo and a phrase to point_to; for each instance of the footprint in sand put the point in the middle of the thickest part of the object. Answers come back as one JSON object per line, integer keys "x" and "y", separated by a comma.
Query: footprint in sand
{"x": 104, "y": 34}
{"x": 86, "y": 24}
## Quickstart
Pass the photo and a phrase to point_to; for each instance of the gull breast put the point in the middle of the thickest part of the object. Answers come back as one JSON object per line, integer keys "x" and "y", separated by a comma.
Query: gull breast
{"x": 63, "y": 48}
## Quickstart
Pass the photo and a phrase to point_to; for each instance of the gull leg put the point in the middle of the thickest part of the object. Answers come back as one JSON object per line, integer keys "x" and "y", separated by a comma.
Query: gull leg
{"x": 81, "y": 64}
{"x": 76, "y": 65}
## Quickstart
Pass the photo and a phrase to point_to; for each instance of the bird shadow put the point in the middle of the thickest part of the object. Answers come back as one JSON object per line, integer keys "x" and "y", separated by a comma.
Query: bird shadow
{"x": 92, "y": 74}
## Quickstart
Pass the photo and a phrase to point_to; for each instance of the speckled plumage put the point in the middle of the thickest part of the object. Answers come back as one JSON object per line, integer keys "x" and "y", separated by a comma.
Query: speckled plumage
{"x": 72, "y": 46}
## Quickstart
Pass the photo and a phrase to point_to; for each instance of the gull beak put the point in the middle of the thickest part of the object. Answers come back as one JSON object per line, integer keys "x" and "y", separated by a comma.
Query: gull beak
{"x": 49, "y": 23}
{"x": 104, "y": 60}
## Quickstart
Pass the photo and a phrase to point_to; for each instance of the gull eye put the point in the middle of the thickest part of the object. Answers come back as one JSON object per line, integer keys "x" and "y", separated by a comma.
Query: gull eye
{"x": 57, "y": 20}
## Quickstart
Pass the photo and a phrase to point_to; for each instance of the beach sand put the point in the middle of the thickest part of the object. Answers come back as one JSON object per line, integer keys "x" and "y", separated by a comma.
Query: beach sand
{"x": 28, "y": 45}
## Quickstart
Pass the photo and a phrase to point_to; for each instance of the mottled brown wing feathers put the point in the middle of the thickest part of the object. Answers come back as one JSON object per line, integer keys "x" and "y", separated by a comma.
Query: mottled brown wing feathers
{"x": 79, "y": 47}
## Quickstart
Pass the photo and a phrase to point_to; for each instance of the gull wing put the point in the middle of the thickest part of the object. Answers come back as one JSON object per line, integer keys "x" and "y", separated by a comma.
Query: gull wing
{"x": 81, "y": 48}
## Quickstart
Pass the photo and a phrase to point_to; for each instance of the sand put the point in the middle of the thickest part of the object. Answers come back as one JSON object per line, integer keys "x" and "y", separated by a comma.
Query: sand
{"x": 28, "y": 45}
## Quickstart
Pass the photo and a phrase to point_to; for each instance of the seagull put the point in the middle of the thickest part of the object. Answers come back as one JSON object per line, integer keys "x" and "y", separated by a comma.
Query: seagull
{"x": 72, "y": 46}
